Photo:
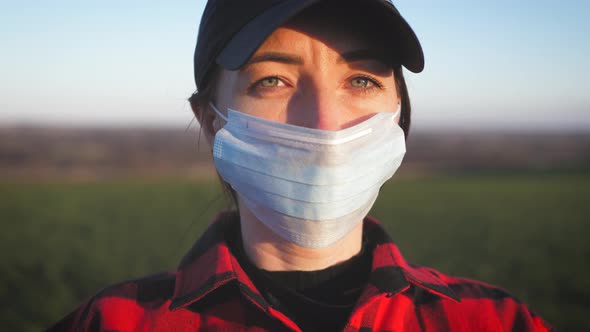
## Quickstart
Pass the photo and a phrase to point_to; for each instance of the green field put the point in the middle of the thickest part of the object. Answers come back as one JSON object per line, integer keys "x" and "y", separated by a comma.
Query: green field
{"x": 526, "y": 232}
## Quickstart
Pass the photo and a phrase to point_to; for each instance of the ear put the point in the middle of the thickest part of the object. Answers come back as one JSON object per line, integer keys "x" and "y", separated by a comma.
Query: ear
{"x": 206, "y": 119}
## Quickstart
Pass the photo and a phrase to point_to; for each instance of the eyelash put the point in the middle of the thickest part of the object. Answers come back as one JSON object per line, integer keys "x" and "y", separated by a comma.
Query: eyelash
{"x": 258, "y": 84}
{"x": 372, "y": 80}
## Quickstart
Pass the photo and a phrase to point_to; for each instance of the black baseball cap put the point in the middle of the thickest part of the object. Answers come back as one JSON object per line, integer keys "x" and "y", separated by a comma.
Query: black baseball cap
{"x": 232, "y": 30}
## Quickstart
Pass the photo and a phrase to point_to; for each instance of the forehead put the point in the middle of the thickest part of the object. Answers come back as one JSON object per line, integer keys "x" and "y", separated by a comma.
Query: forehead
{"x": 342, "y": 31}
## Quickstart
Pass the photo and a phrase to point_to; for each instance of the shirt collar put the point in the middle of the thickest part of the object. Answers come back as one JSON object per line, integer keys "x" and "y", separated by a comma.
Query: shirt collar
{"x": 209, "y": 264}
{"x": 391, "y": 272}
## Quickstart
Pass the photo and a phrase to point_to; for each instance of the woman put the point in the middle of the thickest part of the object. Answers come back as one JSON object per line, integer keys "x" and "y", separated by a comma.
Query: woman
{"x": 306, "y": 108}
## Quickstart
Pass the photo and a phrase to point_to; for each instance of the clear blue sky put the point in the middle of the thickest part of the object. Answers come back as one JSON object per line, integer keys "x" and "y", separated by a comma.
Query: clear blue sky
{"x": 489, "y": 64}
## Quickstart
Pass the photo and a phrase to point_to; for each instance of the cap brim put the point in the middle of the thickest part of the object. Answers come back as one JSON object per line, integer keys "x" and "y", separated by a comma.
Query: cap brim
{"x": 247, "y": 40}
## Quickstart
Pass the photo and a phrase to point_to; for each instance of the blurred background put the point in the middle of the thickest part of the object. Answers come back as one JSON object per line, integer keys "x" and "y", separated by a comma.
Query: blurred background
{"x": 104, "y": 175}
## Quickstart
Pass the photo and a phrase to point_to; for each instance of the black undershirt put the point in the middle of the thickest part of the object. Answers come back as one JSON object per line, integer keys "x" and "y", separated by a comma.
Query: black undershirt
{"x": 319, "y": 300}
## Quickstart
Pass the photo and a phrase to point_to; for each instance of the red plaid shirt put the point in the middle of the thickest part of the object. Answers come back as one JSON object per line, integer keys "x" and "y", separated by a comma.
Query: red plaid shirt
{"x": 210, "y": 291}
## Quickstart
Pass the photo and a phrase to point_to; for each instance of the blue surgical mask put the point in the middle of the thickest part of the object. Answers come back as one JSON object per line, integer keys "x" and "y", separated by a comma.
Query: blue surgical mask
{"x": 311, "y": 187}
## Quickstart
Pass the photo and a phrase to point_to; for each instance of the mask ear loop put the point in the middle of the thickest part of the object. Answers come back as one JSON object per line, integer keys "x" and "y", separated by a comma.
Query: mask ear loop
{"x": 219, "y": 114}
{"x": 398, "y": 112}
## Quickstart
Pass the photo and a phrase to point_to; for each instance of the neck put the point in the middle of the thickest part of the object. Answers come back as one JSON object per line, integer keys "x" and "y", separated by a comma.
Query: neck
{"x": 270, "y": 252}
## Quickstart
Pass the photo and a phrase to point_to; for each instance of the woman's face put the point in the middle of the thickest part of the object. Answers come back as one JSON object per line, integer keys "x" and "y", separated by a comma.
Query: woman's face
{"x": 318, "y": 73}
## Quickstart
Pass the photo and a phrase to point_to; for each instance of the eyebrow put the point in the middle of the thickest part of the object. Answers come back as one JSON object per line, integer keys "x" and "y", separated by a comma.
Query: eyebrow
{"x": 290, "y": 59}
{"x": 363, "y": 55}
{"x": 276, "y": 57}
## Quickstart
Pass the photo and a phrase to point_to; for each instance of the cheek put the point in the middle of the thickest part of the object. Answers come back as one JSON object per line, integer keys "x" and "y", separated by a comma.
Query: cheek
{"x": 274, "y": 110}
{"x": 382, "y": 102}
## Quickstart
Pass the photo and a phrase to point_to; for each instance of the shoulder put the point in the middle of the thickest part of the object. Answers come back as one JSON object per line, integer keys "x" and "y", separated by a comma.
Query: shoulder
{"x": 480, "y": 302}
{"x": 122, "y": 304}
{"x": 467, "y": 288}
